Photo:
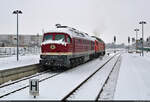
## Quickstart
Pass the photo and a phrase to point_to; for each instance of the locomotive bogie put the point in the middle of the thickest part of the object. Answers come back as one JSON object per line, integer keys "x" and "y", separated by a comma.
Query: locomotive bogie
{"x": 55, "y": 60}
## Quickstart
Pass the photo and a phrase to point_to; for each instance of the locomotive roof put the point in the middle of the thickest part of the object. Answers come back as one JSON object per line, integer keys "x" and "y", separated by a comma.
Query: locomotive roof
{"x": 72, "y": 32}
{"x": 99, "y": 39}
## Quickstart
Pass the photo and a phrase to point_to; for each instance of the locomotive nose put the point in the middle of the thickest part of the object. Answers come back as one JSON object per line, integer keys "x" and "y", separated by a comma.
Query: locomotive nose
{"x": 49, "y": 48}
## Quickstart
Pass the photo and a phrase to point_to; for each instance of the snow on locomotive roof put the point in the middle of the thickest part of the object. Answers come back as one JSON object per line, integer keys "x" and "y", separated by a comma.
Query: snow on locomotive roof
{"x": 99, "y": 39}
{"x": 54, "y": 41}
{"x": 72, "y": 32}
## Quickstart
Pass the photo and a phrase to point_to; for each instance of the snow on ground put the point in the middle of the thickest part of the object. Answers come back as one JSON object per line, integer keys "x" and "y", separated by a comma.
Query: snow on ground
{"x": 57, "y": 87}
{"x": 110, "y": 86}
{"x": 11, "y": 62}
{"x": 13, "y": 87}
{"x": 91, "y": 88}
{"x": 133, "y": 82}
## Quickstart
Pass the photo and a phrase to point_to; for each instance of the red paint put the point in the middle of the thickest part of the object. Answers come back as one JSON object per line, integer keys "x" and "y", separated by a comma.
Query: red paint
{"x": 77, "y": 45}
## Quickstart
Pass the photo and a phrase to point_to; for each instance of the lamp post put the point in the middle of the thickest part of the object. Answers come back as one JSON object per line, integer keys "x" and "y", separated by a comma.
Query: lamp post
{"x": 128, "y": 43}
{"x": 142, "y": 22}
{"x": 136, "y": 30}
{"x": 114, "y": 44}
{"x": 37, "y": 42}
{"x": 17, "y": 12}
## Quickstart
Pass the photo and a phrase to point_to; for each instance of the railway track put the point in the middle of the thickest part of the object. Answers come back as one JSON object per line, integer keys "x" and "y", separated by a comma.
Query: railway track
{"x": 6, "y": 93}
{"x": 101, "y": 90}
{"x": 7, "y": 89}
{"x": 22, "y": 79}
{"x": 109, "y": 88}
{"x": 74, "y": 91}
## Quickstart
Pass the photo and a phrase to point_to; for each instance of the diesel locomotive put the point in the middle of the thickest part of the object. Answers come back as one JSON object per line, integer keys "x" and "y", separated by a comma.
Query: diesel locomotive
{"x": 68, "y": 47}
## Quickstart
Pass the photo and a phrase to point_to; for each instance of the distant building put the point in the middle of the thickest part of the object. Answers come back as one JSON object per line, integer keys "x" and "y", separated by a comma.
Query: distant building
{"x": 112, "y": 45}
{"x": 25, "y": 40}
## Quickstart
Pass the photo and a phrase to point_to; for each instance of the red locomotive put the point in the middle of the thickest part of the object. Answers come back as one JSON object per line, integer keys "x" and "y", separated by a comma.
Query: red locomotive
{"x": 99, "y": 47}
{"x": 69, "y": 47}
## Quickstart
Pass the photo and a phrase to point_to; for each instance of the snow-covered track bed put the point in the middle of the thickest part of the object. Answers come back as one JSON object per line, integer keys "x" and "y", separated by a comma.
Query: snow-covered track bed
{"x": 57, "y": 88}
{"x": 14, "y": 86}
{"x": 108, "y": 90}
{"x": 92, "y": 87}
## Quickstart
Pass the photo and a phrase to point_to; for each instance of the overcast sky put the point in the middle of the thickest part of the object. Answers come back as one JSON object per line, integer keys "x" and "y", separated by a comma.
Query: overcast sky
{"x": 105, "y": 18}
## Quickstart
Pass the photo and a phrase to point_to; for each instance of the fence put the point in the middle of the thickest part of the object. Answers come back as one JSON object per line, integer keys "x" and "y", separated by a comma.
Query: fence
{"x": 8, "y": 51}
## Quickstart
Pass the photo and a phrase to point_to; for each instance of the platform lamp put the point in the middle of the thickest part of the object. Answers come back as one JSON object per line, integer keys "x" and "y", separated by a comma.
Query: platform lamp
{"x": 142, "y": 22}
{"x": 17, "y": 12}
{"x": 136, "y": 30}
{"x": 114, "y": 44}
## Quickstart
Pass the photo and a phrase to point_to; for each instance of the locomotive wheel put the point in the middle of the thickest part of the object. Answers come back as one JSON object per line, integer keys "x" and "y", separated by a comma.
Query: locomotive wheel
{"x": 73, "y": 63}
{"x": 77, "y": 61}
{"x": 82, "y": 59}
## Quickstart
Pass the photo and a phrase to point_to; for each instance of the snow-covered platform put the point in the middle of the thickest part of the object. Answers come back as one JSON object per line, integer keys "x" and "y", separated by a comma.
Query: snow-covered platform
{"x": 134, "y": 78}
{"x": 11, "y": 62}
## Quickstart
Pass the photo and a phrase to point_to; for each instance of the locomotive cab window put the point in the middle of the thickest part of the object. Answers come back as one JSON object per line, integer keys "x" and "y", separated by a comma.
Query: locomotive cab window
{"x": 68, "y": 39}
{"x": 60, "y": 37}
{"x": 48, "y": 37}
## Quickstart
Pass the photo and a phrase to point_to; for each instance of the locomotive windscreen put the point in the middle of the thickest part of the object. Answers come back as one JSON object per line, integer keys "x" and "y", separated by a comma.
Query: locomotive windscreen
{"x": 48, "y": 37}
{"x": 60, "y": 37}
{"x": 54, "y": 36}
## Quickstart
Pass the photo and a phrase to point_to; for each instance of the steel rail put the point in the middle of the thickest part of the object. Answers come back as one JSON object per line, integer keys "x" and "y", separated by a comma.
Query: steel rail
{"x": 101, "y": 90}
{"x": 46, "y": 79}
{"x": 19, "y": 80}
{"x": 83, "y": 82}
{"x": 28, "y": 85}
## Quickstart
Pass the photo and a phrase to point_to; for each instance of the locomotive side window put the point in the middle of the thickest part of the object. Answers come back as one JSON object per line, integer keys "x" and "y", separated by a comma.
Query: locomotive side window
{"x": 68, "y": 39}
{"x": 48, "y": 37}
{"x": 97, "y": 43}
{"x": 60, "y": 37}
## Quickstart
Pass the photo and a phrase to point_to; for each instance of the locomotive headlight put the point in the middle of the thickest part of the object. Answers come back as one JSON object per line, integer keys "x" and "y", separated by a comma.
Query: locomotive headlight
{"x": 52, "y": 47}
